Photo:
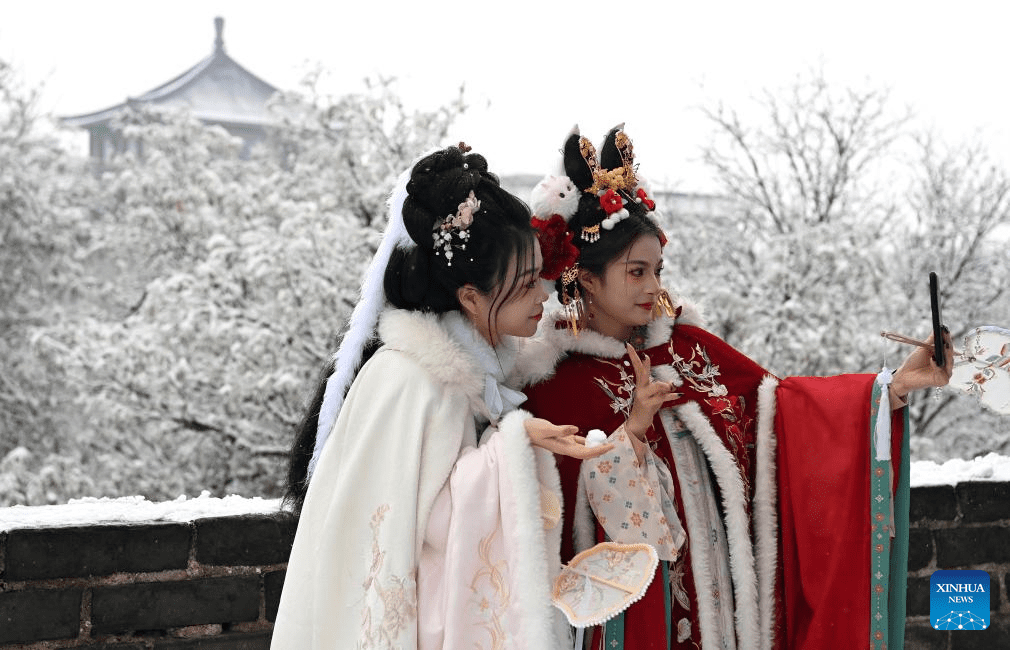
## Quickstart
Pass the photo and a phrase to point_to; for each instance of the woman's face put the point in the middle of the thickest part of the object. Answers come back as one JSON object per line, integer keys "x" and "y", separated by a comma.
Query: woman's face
{"x": 520, "y": 313}
{"x": 624, "y": 296}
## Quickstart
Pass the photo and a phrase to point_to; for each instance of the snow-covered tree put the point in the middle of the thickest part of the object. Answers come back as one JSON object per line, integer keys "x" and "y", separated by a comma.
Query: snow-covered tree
{"x": 819, "y": 246}
{"x": 792, "y": 271}
{"x": 218, "y": 286}
{"x": 320, "y": 139}
{"x": 41, "y": 216}
{"x": 959, "y": 203}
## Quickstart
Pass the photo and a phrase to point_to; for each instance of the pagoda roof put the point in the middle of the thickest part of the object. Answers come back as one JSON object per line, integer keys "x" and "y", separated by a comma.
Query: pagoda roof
{"x": 217, "y": 89}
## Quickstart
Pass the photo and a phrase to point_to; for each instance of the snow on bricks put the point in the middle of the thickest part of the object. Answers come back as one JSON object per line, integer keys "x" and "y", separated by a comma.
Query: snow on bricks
{"x": 212, "y": 583}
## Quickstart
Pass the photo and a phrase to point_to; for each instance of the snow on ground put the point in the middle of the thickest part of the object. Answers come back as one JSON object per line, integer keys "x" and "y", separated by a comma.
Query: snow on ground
{"x": 991, "y": 467}
{"x": 89, "y": 511}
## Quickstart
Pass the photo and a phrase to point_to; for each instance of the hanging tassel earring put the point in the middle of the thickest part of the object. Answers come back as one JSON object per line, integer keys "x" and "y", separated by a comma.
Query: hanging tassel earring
{"x": 663, "y": 304}
{"x": 572, "y": 305}
{"x": 574, "y": 310}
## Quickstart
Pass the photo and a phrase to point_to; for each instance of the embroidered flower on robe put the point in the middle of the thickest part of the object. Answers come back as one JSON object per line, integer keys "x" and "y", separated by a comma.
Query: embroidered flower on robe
{"x": 699, "y": 371}
{"x": 621, "y": 393}
{"x": 396, "y": 594}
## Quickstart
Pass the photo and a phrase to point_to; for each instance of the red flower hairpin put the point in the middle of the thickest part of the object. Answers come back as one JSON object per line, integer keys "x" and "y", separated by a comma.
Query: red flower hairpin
{"x": 556, "y": 245}
{"x": 644, "y": 199}
{"x": 611, "y": 201}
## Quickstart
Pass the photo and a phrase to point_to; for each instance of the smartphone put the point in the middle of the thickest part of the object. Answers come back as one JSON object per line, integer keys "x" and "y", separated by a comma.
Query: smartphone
{"x": 934, "y": 303}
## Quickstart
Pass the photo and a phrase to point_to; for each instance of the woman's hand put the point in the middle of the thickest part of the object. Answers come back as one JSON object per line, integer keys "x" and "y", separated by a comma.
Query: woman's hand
{"x": 562, "y": 439}
{"x": 919, "y": 370}
{"x": 649, "y": 396}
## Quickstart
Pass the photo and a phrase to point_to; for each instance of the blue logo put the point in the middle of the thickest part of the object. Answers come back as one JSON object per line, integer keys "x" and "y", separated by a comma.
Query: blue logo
{"x": 959, "y": 600}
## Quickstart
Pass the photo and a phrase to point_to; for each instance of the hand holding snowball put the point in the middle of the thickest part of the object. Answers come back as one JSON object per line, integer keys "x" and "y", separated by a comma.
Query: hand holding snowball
{"x": 562, "y": 439}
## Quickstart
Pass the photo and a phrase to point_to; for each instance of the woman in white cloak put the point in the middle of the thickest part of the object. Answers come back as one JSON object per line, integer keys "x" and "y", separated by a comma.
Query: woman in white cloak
{"x": 431, "y": 519}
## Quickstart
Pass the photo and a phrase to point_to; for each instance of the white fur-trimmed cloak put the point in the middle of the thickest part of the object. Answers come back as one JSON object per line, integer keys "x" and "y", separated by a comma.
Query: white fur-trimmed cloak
{"x": 412, "y": 535}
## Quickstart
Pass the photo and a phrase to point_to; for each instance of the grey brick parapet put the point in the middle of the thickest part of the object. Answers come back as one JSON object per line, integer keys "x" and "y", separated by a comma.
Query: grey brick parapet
{"x": 966, "y": 526}
{"x": 215, "y": 583}
{"x": 209, "y": 584}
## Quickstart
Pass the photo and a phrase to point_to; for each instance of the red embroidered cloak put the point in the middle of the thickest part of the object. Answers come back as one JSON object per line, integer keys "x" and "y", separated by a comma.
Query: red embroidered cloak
{"x": 786, "y": 464}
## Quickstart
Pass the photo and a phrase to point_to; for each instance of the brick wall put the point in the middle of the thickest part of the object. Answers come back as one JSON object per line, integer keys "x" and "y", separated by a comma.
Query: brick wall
{"x": 962, "y": 527}
{"x": 214, "y": 584}
{"x": 210, "y": 584}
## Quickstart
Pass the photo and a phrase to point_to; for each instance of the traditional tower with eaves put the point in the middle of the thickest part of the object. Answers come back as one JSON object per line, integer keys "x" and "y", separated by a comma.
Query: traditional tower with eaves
{"x": 217, "y": 90}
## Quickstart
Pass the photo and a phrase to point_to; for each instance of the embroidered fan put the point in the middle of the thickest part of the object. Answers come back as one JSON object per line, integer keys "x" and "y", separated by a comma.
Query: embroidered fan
{"x": 603, "y": 581}
{"x": 982, "y": 365}
{"x": 982, "y": 368}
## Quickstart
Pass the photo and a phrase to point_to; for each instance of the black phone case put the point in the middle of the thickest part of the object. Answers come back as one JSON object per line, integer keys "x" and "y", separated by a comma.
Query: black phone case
{"x": 934, "y": 303}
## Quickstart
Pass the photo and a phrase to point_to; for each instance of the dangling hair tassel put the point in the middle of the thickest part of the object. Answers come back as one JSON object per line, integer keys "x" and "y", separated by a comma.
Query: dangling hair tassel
{"x": 572, "y": 305}
{"x": 591, "y": 234}
{"x": 574, "y": 310}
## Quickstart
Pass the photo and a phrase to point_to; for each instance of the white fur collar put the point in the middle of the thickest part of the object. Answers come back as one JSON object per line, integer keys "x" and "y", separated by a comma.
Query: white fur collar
{"x": 552, "y": 344}
{"x": 425, "y": 338}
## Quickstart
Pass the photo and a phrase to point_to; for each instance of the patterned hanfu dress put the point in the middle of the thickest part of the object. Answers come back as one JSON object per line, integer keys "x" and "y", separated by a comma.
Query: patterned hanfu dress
{"x": 773, "y": 520}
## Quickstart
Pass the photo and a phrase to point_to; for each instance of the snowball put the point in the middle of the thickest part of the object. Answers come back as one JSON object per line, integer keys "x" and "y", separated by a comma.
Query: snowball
{"x": 595, "y": 438}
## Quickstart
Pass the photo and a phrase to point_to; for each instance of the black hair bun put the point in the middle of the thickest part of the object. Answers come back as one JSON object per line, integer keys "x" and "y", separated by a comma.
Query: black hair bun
{"x": 438, "y": 183}
{"x": 421, "y": 277}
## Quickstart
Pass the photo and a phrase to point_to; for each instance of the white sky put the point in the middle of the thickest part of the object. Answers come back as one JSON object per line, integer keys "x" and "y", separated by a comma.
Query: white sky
{"x": 534, "y": 68}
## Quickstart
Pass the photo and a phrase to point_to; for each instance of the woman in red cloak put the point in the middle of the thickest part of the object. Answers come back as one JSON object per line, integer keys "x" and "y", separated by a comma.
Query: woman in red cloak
{"x": 778, "y": 507}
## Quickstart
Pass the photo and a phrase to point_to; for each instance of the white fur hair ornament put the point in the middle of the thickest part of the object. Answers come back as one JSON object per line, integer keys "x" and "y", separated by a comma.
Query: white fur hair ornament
{"x": 364, "y": 318}
{"x": 555, "y": 195}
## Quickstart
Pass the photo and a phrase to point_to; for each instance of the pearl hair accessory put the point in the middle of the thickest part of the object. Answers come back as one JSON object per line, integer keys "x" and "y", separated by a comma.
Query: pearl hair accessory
{"x": 613, "y": 220}
{"x": 456, "y": 224}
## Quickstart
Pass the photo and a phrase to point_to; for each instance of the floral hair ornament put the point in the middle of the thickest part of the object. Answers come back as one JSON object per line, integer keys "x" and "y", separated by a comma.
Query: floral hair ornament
{"x": 556, "y": 244}
{"x": 603, "y": 189}
{"x": 610, "y": 177}
{"x": 613, "y": 205}
{"x": 456, "y": 225}
{"x": 641, "y": 196}
{"x": 554, "y": 200}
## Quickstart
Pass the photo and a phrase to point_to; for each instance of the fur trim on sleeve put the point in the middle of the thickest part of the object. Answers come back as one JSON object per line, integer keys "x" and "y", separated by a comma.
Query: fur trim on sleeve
{"x": 741, "y": 552}
{"x": 765, "y": 509}
{"x": 539, "y": 563}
